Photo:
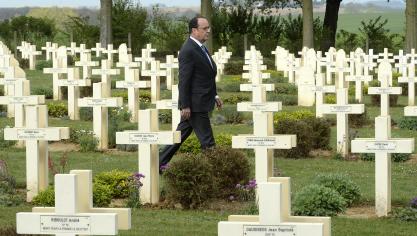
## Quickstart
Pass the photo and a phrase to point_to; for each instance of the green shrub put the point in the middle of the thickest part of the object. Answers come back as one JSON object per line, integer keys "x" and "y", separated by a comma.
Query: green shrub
{"x": 330, "y": 99}
{"x": 88, "y": 142}
{"x": 40, "y": 65}
{"x": 45, "y": 198}
{"x": 23, "y": 63}
{"x": 342, "y": 184}
{"x": 86, "y": 113}
{"x": 409, "y": 123}
{"x": 120, "y": 114}
{"x": 231, "y": 167}
{"x": 405, "y": 213}
{"x": 285, "y": 88}
{"x": 117, "y": 180}
{"x": 43, "y": 91}
{"x": 311, "y": 132}
{"x": 145, "y": 96}
{"x": 102, "y": 195}
{"x": 235, "y": 98}
{"x": 285, "y": 99}
{"x": 120, "y": 93}
{"x": 189, "y": 181}
{"x": 5, "y": 143}
{"x": 231, "y": 115}
{"x": 165, "y": 116}
{"x": 192, "y": 145}
{"x": 234, "y": 67}
{"x": 57, "y": 109}
{"x": 231, "y": 87}
{"x": 318, "y": 200}
{"x": 395, "y": 157}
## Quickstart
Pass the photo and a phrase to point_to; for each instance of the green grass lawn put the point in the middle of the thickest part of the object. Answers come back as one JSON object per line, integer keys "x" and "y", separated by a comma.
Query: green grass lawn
{"x": 153, "y": 221}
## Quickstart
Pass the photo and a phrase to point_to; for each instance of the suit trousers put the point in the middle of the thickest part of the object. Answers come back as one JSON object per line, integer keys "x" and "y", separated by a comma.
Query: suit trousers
{"x": 200, "y": 123}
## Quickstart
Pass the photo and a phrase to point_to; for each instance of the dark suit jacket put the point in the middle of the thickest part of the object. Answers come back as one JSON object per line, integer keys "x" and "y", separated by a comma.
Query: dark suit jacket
{"x": 197, "y": 84}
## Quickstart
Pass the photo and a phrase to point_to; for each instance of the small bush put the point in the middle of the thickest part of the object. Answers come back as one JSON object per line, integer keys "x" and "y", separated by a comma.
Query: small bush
{"x": 57, "y": 109}
{"x": 342, "y": 184}
{"x": 231, "y": 87}
{"x": 117, "y": 180}
{"x": 102, "y": 195}
{"x": 189, "y": 180}
{"x": 231, "y": 167}
{"x": 165, "y": 116}
{"x": 246, "y": 192}
{"x": 192, "y": 145}
{"x": 285, "y": 88}
{"x": 330, "y": 99}
{"x": 232, "y": 116}
{"x": 409, "y": 123}
{"x": 145, "y": 96}
{"x": 86, "y": 113}
{"x": 40, "y": 65}
{"x": 234, "y": 67}
{"x": 235, "y": 98}
{"x": 88, "y": 142}
{"x": 405, "y": 214}
{"x": 43, "y": 91}
{"x": 120, "y": 114}
{"x": 286, "y": 99}
{"x": 317, "y": 200}
{"x": 45, "y": 198}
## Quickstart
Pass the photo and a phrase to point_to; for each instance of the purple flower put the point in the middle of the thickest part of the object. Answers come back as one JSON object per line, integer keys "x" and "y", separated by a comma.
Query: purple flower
{"x": 163, "y": 167}
{"x": 251, "y": 184}
{"x": 413, "y": 203}
{"x": 138, "y": 175}
{"x": 238, "y": 185}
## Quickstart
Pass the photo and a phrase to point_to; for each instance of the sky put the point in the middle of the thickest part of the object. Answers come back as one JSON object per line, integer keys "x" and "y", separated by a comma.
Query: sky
{"x": 89, "y": 3}
{"x": 95, "y": 3}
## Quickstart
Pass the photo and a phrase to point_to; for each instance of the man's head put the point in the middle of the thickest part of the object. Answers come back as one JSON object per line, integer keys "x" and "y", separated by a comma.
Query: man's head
{"x": 199, "y": 28}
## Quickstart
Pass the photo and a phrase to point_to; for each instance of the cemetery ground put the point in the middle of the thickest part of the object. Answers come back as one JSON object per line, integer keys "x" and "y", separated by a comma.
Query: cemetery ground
{"x": 162, "y": 220}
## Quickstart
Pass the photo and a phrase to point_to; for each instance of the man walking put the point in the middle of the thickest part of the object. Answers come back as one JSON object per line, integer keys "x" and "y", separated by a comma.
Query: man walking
{"x": 197, "y": 89}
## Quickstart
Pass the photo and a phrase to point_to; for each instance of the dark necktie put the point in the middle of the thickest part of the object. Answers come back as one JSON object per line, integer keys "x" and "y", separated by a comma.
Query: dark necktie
{"x": 207, "y": 54}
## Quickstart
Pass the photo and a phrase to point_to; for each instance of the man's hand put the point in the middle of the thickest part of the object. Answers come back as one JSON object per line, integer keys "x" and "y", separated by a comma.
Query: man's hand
{"x": 219, "y": 103}
{"x": 186, "y": 113}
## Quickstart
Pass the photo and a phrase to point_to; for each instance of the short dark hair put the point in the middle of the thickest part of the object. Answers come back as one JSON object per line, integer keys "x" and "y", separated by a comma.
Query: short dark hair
{"x": 193, "y": 23}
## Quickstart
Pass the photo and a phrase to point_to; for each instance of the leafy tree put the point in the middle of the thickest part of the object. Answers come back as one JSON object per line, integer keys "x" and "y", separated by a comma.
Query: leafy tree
{"x": 330, "y": 24}
{"x": 82, "y": 31}
{"x": 129, "y": 17}
{"x": 105, "y": 22}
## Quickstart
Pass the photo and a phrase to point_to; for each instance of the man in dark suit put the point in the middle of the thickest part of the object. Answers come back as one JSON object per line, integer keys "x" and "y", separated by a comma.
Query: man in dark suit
{"x": 197, "y": 89}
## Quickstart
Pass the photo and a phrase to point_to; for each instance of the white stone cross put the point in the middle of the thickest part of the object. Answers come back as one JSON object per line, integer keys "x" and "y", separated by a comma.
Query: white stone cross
{"x": 305, "y": 84}
{"x": 32, "y": 53}
{"x": 155, "y": 72}
{"x": 85, "y": 201}
{"x": 24, "y": 48}
{"x": 274, "y": 216}
{"x": 171, "y": 104}
{"x": 11, "y": 75}
{"x": 98, "y": 49}
{"x": 146, "y": 57}
{"x": 72, "y": 49}
{"x": 86, "y": 63}
{"x": 59, "y": 68}
{"x": 320, "y": 89}
{"x": 330, "y": 64}
{"x": 358, "y": 77}
{"x": 409, "y": 78}
{"x": 171, "y": 65}
{"x": 67, "y": 219}
{"x": 36, "y": 134}
{"x": 383, "y": 145}
{"x": 293, "y": 64}
{"x": 342, "y": 109}
{"x": 402, "y": 64}
{"x": 73, "y": 83}
{"x": 133, "y": 84}
{"x": 110, "y": 51}
{"x": 340, "y": 69}
{"x": 148, "y": 137}
{"x": 385, "y": 57}
{"x": 100, "y": 102}
{"x": 48, "y": 50}
{"x": 106, "y": 72}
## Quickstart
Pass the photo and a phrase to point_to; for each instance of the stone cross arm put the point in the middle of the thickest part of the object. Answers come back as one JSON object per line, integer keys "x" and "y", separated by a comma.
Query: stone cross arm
{"x": 105, "y": 71}
{"x": 252, "y": 87}
{"x": 263, "y": 106}
{"x": 47, "y": 134}
{"x": 100, "y": 102}
{"x": 361, "y": 78}
{"x": 26, "y": 100}
{"x": 382, "y": 90}
{"x": 137, "y": 137}
{"x": 345, "y": 109}
{"x": 133, "y": 84}
{"x": 154, "y": 73}
{"x": 47, "y": 223}
{"x": 86, "y": 63}
{"x": 74, "y": 83}
{"x": 410, "y": 111}
{"x": 391, "y": 145}
{"x": 270, "y": 142}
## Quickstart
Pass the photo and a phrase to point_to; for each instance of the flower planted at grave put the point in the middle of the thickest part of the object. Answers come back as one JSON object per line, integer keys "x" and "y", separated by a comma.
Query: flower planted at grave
{"x": 134, "y": 186}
